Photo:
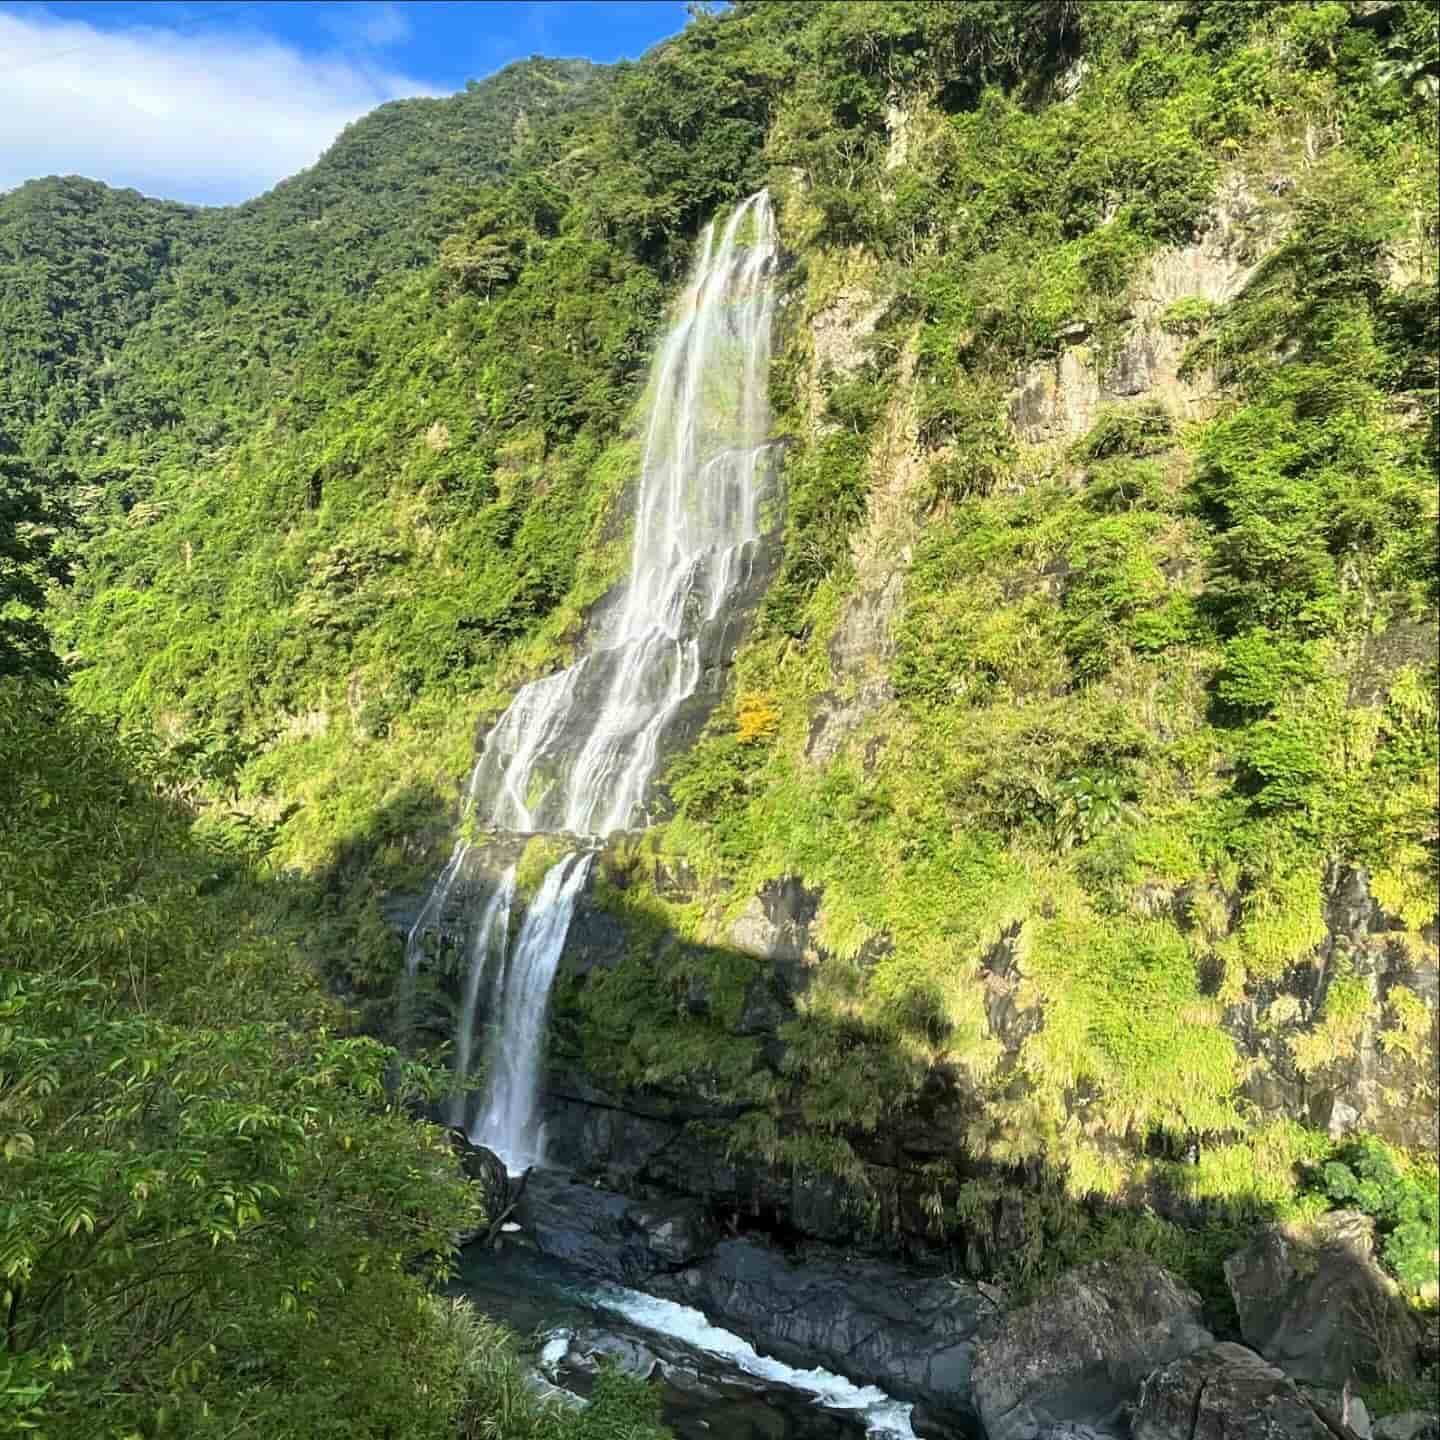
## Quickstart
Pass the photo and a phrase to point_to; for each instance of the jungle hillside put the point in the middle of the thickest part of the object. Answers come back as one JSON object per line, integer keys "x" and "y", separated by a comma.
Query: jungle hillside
{"x": 1090, "y": 710}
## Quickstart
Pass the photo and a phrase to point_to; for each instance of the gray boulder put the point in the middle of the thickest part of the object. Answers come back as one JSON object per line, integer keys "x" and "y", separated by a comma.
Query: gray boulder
{"x": 1225, "y": 1392}
{"x": 1410, "y": 1425}
{"x": 606, "y": 1235}
{"x": 1340, "y": 1406}
{"x": 1079, "y": 1352}
{"x": 875, "y": 1323}
{"x": 1312, "y": 1300}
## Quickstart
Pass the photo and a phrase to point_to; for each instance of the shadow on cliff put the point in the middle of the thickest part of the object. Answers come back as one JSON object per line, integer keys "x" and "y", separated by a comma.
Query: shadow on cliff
{"x": 351, "y": 914}
{"x": 705, "y": 1071}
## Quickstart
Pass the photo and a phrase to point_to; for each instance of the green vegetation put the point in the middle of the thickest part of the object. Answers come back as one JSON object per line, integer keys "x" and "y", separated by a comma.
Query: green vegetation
{"x": 1153, "y": 688}
{"x": 1369, "y": 1177}
{"x": 201, "y": 1163}
{"x": 1081, "y": 726}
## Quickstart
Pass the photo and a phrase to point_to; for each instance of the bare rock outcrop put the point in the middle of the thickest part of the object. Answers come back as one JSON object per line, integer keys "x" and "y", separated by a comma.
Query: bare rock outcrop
{"x": 1313, "y": 1301}
{"x": 1225, "y": 1392}
{"x": 1078, "y": 1353}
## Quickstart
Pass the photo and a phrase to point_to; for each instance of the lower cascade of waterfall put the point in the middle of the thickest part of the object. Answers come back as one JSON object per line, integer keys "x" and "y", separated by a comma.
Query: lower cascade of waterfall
{"x": 509, "y": 1125}
{"x": 577, "y": 750}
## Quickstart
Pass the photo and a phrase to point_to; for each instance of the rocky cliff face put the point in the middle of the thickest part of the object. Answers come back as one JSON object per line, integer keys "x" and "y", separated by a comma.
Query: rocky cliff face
{"x": 682, "y": 1139}
{"x": 693, "y": 1137}
{"x": 732, "y": 975}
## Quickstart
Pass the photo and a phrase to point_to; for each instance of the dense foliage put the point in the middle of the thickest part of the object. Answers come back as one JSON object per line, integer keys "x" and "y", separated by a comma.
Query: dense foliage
{"x": 1367, "y": 1176}
{"x": 199, "y": 1162}
{"x": 337, "y": 469}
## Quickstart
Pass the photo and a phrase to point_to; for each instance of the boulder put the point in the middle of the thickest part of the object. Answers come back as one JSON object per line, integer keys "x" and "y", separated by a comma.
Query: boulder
{"x": 1225, "y": 1392}
{"x": 1312, "y": 1300}
{"x": 694, "y": 1387}
{"x": 606, "y": 1235}
{"x": 1340, "y": 1406}
{"x": 1409, "y": 1425}
{"x": 875, "y": 1323}
{"x": 1079, "y": 1352}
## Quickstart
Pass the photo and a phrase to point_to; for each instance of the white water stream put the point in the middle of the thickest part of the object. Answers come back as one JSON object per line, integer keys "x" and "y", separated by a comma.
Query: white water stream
{"x": 487, "y": 957}
{"x": 882, "y": 1415}
{"x": 577, "y": 750}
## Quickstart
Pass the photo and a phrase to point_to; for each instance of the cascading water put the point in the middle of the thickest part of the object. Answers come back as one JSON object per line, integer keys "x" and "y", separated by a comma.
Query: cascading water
{"x": 577, "y": 750}
{"x": 487, "y": 954}
{"x": 509, "y": 1126}
{"x": 697, "y": 524}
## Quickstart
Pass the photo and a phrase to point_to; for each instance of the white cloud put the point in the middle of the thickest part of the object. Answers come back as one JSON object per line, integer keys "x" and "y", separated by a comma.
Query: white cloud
{"x": 383, "y": 24}
{"x": 204, "y": 116}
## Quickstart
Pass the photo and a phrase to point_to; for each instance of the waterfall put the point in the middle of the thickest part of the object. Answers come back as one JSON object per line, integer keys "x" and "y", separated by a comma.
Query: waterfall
{"x": 487, "y": 956}
{"x": 577, "y": 750}
{"x": 509, "y": 1126}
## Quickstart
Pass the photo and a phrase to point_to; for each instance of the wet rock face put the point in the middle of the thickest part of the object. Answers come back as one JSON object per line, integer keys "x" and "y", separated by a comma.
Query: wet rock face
{"x": 605, "y": 1235}
{"x": 1312, "y": 1300}
{"x": 1224, "y": 1392}
{"x": 1412, "y": 1425}
{"x": 912, "y": 1335}
{"x": 1078, "y": 1353}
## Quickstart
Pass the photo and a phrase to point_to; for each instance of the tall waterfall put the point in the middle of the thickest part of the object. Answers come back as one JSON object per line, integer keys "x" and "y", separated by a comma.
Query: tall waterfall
{"x": 577, "y": 750}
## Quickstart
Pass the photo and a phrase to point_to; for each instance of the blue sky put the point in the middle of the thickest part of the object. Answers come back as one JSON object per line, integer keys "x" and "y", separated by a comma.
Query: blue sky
{"x": 213, "y": 101}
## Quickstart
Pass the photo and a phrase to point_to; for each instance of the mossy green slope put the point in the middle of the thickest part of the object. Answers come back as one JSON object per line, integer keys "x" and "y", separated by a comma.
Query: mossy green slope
{"x": 1144, "y": 691}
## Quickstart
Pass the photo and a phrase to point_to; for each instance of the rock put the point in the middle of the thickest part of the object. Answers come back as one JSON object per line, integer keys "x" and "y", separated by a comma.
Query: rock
{"x": 604, "y": 1234}
{"x": 1079, "y": 1352}
{"x": 1312, "y": 1300}
{"x": 1224, "y": 1392}
{"x": 874, "y": 1323}
{"x": 677, "y": 1233}
{"x": 1410, "y": 1425}
{"x": 694, "y": 1388}
{"x": 1337, "y": 1405}
{"x": 1070, "y": 1430}
{"x": 588, "y": 1350}
{"x": 776, "y": 924}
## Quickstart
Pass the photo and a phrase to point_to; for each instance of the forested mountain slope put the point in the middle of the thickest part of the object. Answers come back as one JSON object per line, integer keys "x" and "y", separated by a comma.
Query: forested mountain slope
{"x": 1059, "y": 869}
{"x": 174, "y": 318}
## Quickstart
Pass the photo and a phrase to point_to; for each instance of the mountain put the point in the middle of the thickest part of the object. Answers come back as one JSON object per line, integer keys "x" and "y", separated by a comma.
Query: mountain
{"x": 1054, "y": 870}
{"x": 120, "y": 302}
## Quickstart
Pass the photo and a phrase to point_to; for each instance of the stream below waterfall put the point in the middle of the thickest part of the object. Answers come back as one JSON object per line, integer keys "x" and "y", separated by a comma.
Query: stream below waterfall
{"x": 713, "y": 1384}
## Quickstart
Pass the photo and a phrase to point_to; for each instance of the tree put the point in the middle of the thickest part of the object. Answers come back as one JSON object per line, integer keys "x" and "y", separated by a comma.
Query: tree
{"x": 29, "y": 519}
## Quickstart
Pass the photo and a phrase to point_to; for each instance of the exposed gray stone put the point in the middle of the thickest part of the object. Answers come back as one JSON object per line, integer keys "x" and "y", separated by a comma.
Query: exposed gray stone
{"x": 604, "y": 1234}
{"x": 1409, "y": 1425}
{"x": 1312, "y": 1300}
{"x": 1224, "y": 1392}
{"x": 1341, "y": 1405}
{"x": 1079, "y": 1352}
{"x": 910, "y": 1334}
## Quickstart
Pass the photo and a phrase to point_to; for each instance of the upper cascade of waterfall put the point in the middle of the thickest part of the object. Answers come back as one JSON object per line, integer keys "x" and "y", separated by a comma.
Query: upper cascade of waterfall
{"x": 576, "y": 750}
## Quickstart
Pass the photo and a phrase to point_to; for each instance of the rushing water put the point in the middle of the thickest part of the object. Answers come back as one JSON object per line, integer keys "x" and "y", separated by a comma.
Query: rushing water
{"x": 577, "y": 750}
{"x": 510, "y": 1126}
{"x": 708, "y": 1376}
{"x": 488, "y": 940}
